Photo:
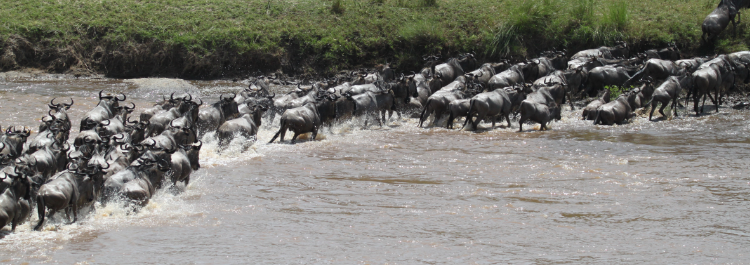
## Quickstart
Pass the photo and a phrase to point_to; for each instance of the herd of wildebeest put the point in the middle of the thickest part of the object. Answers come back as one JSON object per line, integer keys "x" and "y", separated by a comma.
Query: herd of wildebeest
{"x": 116, "y": 158}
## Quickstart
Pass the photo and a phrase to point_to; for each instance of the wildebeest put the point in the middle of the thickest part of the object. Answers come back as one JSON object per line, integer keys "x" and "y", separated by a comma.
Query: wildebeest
{"x": 160, "y": 121}
{"x": 151, "y": 166}
{"x": 373, "y": 104}
{"x": 103, "y": 111}
{"x": 621, "y": 49}
{"x": 668, "y": 90}
{"x": 454, "y": 67}
{"x": 68, "y": 190}
{"x": 60, "y": 116}
{"x": 589, "y": 112}
{"x": 671, "y": 52}
{"x": 13, "y": 141}
{"x": 246, "y": 126}
{"x": 718, "y": 20}
{"x": 602, "y": 76}
{"x": 510, "y": 77}
{"x": 161, "y": 106}
{"x": 210, "y": 118}
{"x": 302, "y": 119}
{"x": 184, "y": 162}
{"x": 616, "y": 111}
{"x": 438, "y": 102}
{"x": 657, "y": 69}
{"x": 11, "y": 210}
{"x": 494, "y": 104}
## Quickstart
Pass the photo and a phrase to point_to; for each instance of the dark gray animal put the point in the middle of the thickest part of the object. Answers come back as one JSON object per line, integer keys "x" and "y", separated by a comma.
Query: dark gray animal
{"x": 671, "y": 52}
{"x": 151, "y": 165}
{"x": 668, "y": 90}
{"x": 615, "y": 112}
{"x": 103, "y": 111}
{"x": 718, "y": 20}
{"x": 13, "y": 141}
{"x": 657, "y": 69}
{"x": 60, "y": 117}
{"x": 602, "y": 76}
{"x": 438, "y": 102}
{"x": 184, "y": 162}
{"x": 302, "y": 120}
{"x": 454, "y": 67}
{"x": 589, "y": 112}
{"x": 210, "y": 118}
{"x": 494, "y": 104}
{"x": 14, "y": 199}
{"x": 161, "y": 106}
{"x": 67, "y": 191}
{"x": 246, "y": 126}
{"x": 513, "y": 76}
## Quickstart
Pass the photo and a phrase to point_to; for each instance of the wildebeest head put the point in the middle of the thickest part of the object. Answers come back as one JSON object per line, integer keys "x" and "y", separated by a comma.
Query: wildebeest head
{"x": 228, "y": 106}
{"x": 193, "y": 151}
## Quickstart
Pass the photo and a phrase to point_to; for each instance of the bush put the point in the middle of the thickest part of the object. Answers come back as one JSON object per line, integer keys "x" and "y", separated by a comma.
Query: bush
{"x": 583, "y": 10}
{"x": 615, "y": 91}
{"x": 503, "y": 40}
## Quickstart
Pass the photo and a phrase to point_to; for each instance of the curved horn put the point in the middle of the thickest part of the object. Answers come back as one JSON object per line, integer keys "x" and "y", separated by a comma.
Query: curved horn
{"x": 132, "y": 108}
{"x": 271, "y": 97}
{"x": 52, "y": 102}
{"x": 190, "y": 97}
{"x": 123, "y": 97}
{"x": 108, "y": 165}
{"x": 200, "y": 104}
{"x": 100, "y": 94}
{"x": 221, "y": 97}
{"x": 171, "y": 96}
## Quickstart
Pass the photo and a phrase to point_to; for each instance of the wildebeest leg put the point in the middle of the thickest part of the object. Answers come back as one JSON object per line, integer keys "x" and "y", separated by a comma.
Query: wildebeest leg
{"x": 674, "y": 106}
{"x": 314, "y": 133}
{"x": 661, "y": 110}
{"x": 75, "y": 212}
{"x": 653, "y": 107}
{"x": 294, "y": 138}
{"x": 543, "y": 127}
{"x": 187, "y": 181}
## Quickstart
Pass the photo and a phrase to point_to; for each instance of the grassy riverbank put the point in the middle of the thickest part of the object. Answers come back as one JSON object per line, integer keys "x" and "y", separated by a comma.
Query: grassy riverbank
{"x": 210, "y": 39}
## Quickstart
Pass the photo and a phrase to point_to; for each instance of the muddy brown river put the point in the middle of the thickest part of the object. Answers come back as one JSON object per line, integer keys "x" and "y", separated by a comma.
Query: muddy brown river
{"x": 667, "y": 192}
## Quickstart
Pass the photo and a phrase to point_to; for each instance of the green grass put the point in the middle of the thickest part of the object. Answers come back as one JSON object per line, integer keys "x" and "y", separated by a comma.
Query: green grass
{"x": 327, "y": 35}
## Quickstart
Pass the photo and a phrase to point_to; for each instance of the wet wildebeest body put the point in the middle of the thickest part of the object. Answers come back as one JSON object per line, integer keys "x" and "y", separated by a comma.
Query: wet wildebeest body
{"x": 494, "y": 104}
{"x": 706, "y": 79}
{"x": 619, "y": 50}
{"x": 602, "y": 76}
{"x": 539, "y": 106}
{"x": 209, "y": 119}
{"x": 303, "y": 119}
{"x": 14, "y": 206}
{"x": 691, "y": 65}
{"x": 373, "y": 103}
{"x": 13, "y": 141}
{"x": 513, "y": 76}
{"x": 438, "y": 102}
{"x": 293, "y": 99}
{"x": 67, "y": 191}
{"x": 103, "y": 111}
{"x": 151, "y": 165}
{"x": 668, "y": 90}
{"x": 741, "y": 62}
{"x": 184, "y": 162}
{"x": 246, "y": 126}
{"x": 161, "y": 106}
{"x": 657, "y": 69}
{"x": 615, "y": 112}
{"x": 589, "y": 112}
{"x": 642, "y": 95}
{"x": 670, "y": 53}
{"x": 719, "y": 19}
{"x": 454, "y": 67}
{"x": 60, "y": 118}
{"x": 557, "y": 85}
{"x": 483, "y": 74}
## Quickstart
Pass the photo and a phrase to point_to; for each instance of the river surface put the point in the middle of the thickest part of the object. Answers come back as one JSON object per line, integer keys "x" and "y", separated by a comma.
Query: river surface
{"x": 667, "y": 192}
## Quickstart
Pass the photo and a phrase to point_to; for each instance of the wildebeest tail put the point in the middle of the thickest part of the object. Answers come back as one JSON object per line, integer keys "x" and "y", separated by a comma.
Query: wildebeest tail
{"x": 421, "y": 116}
{"x": 281, "y": 127}
{"x": 41, "y": 209}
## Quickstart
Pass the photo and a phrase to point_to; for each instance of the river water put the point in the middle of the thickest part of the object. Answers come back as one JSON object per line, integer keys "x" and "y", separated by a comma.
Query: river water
{"x": 667, "y": 192}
